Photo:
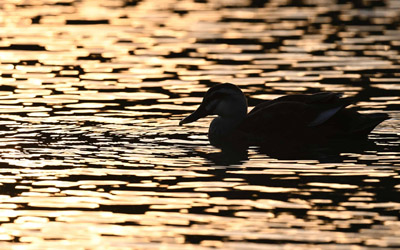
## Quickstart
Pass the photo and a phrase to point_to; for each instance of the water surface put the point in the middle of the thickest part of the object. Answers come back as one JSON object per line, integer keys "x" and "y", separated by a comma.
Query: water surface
{"x": 92, "y": 157}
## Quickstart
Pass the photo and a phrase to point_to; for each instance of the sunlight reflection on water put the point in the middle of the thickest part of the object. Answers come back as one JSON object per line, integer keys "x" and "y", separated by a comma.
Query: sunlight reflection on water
{"x": 92, "y": 156}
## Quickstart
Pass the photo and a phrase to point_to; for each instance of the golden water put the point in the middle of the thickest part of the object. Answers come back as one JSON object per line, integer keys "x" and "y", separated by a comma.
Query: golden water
{"x": 92, "y": 157}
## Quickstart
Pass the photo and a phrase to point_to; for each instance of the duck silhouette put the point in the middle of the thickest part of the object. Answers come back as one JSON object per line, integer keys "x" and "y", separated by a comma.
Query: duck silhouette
{"x": 288, "y": 119}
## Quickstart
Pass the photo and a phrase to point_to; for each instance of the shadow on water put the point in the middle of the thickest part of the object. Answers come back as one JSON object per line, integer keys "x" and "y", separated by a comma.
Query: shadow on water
{"x": 324, "y": 152}
{"x": 227, "y": 156}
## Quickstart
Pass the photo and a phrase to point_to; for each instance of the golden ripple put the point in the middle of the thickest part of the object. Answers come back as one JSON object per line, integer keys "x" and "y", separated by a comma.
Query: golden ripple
{"x": 92, "y": 155}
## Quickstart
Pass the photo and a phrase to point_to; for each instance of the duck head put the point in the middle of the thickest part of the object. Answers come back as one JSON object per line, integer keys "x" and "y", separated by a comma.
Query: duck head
{"x": 225, "y": 100}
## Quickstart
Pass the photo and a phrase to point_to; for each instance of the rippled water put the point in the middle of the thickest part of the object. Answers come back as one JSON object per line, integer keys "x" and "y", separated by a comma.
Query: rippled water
{"x": 92, "y": 156}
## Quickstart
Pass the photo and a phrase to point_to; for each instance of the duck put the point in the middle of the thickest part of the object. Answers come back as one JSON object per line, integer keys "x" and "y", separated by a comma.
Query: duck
{"x": 290, "y": 119}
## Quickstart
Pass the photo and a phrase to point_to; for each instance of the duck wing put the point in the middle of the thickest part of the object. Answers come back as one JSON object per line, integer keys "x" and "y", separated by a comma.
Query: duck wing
{"x": 318, "y": 98}
{"x": 295, "y": 116}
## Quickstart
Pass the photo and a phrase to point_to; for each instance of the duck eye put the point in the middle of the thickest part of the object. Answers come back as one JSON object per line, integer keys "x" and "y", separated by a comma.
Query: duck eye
{"x": 211, "y": 105}
{"x": 213, "y": 99}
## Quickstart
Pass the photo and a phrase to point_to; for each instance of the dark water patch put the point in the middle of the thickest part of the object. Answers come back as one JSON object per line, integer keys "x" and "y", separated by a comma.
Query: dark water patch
{"x": 34, "y": 47}
{"x": 87, "y": 22}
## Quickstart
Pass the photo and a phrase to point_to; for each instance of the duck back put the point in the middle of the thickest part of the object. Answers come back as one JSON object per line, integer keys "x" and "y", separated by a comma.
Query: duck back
{"x": 321, "y": 116}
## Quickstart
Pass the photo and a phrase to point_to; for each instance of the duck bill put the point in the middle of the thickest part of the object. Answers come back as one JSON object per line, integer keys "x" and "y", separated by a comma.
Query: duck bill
{"x": 199, "y": 113}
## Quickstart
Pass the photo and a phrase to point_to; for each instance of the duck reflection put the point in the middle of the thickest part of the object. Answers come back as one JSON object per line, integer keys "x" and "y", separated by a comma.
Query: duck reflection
{"x": 323, "y": 152}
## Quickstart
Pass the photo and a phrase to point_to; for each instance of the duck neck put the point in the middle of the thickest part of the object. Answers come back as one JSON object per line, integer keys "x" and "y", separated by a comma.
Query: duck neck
{"x": 222, "y": 128}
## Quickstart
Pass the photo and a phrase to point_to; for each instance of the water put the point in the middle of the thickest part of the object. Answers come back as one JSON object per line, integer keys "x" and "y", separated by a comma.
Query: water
{"x": 92, "y": 156}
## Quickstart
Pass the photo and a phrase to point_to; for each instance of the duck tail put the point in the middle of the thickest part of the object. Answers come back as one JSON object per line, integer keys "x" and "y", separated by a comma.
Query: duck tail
{"x": 368, "y": 123}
